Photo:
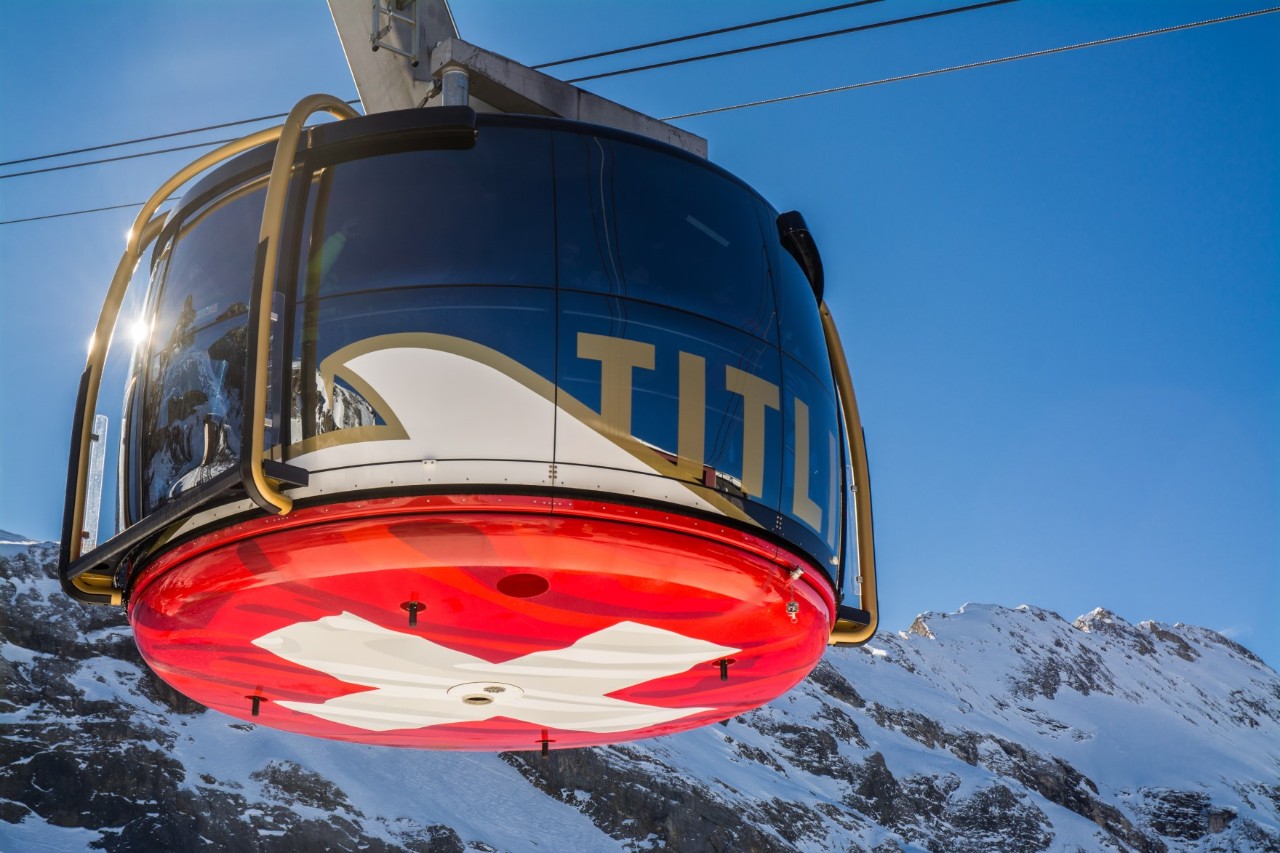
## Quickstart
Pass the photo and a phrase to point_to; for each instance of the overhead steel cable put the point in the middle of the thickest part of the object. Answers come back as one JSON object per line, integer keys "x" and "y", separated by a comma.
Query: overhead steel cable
{"x": 796, "y": 40}
{"x": 651, "y": 66}
{"x": 981, "y": 64}
{"x": 116, "y": 159}
{"x": 600, "y": 54}
{"x": 101, "y": 160}
{"x": 76, "y": 212}
{"x": 149, "y": 138}
{"x": 704, "y": 34}
{"x": 848, "y": 88}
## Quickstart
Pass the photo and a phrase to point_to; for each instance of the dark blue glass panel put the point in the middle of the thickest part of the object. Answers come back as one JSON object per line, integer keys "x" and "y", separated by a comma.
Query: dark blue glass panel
{"x": 211, "y": 266}
{"x": 800, "y": 327}
{"x": 188, "y": 425}
{"x": 638, "y": 222}
{"x": 586, "y": 222}
{"x": 478, "y": 216}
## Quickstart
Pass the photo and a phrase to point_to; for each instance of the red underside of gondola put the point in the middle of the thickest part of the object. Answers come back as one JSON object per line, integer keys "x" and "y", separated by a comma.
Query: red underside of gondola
{"x": 534, "y": 620}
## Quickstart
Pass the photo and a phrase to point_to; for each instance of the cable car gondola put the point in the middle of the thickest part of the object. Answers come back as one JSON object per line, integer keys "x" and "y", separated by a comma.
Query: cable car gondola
{"x": 476, "y": 431}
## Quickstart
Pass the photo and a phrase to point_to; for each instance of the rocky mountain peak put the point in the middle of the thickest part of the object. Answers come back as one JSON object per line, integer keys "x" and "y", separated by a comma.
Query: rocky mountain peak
{"x": 920, "y": 628}
{"x": 1098, "y": 617}
{"x": 14, "y": 543}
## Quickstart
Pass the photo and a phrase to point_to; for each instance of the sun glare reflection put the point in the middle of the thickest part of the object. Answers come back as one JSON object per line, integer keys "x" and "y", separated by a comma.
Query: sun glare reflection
{"x": 139, "y": 331}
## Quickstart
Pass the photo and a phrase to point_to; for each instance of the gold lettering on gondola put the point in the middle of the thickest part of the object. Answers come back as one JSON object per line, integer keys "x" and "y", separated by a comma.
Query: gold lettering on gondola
{"x": 757, "y": 394}
{"x": 802, "y": 506}
{"x": 691, "y": 438}
{"x": 691, "y": 433}
{"x": 617, "y": 357}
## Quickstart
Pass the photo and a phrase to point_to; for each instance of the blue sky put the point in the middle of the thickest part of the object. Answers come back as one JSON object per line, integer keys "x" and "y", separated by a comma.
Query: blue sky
{"x": 1057, "y": 279}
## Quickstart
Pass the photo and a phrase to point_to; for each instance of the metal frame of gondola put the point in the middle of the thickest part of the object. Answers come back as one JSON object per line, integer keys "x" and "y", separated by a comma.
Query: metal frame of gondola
{"x": 82, "y": 575}
{"x": 93, "y": 577}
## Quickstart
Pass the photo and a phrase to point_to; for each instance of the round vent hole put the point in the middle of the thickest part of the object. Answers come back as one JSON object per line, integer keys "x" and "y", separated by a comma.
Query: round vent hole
{"x": 523, "y": 585}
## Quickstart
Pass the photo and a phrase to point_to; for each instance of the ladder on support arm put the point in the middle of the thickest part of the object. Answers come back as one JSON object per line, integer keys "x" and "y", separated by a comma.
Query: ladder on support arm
{"x": 379, "y": 30}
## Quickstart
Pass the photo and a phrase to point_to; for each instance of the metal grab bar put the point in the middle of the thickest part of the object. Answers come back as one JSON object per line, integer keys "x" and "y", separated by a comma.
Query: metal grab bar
{"x": 90, "y": 587}
{"x": 95, "y": 587}
{"x": 264, "y": 492}
{"x": 846, "y": 631}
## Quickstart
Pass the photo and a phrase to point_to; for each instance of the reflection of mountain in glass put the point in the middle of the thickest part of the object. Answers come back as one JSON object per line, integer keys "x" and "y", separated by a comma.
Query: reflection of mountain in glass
{"x": 314, "y": 413}
{"x": 193, "y": 405}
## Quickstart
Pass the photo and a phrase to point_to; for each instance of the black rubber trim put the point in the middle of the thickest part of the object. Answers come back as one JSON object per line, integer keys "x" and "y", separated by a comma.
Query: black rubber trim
{"x": 391, "y": 132}
{"x": 290, "y": 475}
{"x": 793, "y": 231}
{"x": 853, "y": 614}
{"x": 107, "y": 557}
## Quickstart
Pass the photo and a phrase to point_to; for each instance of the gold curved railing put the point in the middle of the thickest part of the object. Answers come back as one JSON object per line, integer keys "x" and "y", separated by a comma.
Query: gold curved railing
{"x": 845, "y": 631}
{"x": 264, "y": 490}
{"x": 146, "y": 227}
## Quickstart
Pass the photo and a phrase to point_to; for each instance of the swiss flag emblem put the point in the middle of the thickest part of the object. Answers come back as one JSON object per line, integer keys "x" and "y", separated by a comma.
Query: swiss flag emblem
{"x": 418, "y": 683}
{"x": 525, "y": 625}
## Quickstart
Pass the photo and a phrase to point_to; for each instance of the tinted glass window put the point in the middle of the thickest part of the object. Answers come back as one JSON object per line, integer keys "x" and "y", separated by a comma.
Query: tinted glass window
{"x": 211, "y": 266}
{"x": 643, "y": 224}
{"x": 477, "y": 216}
{"x": 192, "y": 410}
{"x": 191, "y": 406}
{"x": 799, "y": 324}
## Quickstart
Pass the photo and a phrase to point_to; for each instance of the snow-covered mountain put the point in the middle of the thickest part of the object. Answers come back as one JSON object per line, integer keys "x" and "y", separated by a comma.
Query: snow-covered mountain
{"x": 14, "y": 543}
{"x": 986, "y": 729}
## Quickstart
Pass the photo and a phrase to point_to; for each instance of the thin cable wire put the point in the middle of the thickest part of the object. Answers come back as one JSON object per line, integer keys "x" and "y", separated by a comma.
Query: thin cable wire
{"x": 704, "y": 34}
{"x": 686, "y": 60}
{"x": 116, "y": 159}
{"x": 616, "y": 51}
{"x": 917, "y": 75}
{"x": 76, "y": 212}
{"x": 145, "y": 139}
{"x": 797, "y": 40}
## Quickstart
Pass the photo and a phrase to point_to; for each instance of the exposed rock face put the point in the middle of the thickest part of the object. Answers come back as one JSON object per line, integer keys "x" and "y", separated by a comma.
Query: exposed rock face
{"x": 987, "y": 729}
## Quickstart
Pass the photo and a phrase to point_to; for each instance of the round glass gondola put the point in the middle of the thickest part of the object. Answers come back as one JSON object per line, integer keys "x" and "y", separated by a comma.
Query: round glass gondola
{"x": 552, "y": 412}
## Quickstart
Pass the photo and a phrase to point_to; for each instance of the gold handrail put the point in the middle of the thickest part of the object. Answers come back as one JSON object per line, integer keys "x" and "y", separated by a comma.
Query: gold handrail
{"x": 145, "y": 228}
{"x": 846, "y": 632}
{"x": 144, "y": 231}
{"x": 269, "y": 244}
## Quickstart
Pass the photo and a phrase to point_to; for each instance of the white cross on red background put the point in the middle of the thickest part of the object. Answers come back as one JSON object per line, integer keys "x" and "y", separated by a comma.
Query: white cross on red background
{"x": 418, "y": 683}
